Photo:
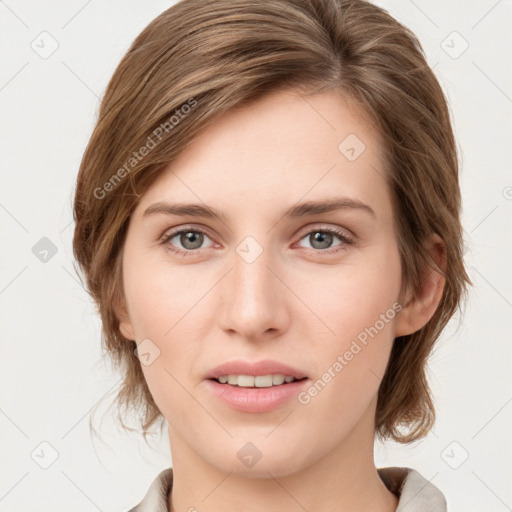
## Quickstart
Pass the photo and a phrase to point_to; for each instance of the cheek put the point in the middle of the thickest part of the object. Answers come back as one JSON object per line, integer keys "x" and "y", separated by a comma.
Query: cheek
{"x": 164, "y": 308}
{"x": 166, "y": 305}
{"x": 159, "y": 294}
{"x": 360, "y": 307}
{"x": 353, "y": 297}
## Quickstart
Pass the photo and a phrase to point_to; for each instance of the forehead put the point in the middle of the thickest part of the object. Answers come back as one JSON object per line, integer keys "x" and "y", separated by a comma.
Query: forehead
{"x": 278, "y": 150}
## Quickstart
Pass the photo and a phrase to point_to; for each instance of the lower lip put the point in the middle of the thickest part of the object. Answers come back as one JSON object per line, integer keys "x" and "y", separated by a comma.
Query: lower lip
{"x": 256, "y": 400}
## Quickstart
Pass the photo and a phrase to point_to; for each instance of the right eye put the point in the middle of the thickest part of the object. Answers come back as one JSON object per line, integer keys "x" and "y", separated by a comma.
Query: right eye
{"x": 190, "y": 240}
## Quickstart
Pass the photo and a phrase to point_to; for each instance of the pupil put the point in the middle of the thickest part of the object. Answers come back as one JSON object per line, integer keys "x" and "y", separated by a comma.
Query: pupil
{"x": 325, "y": 240}
{"x": 189, "y": 237}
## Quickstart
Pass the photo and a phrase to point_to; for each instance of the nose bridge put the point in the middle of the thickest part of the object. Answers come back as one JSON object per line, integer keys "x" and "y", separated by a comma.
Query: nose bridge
{"x": 254, "y": 301}
{"x": 252, "y": 279}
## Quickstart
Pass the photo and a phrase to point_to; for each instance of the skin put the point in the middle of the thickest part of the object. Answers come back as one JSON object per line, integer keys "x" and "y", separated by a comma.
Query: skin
{"x": 296, "y": 303}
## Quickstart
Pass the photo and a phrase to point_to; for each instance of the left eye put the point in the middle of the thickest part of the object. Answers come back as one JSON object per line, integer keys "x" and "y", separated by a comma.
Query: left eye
{"x": 322, "y": 239}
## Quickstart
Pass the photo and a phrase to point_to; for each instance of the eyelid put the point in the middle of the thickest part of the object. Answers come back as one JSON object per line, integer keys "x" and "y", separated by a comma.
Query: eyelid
{"x": 337, "y": 230}
{"x": 184, "y": 227}
{"x": 171, "y": 233}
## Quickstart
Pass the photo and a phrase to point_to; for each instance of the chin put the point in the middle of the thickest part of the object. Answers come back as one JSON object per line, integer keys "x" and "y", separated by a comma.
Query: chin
{"x": 261, "y": 459}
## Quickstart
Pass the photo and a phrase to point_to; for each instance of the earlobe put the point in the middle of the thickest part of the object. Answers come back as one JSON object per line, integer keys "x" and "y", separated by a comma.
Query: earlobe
{"x": 126, "y": 329}
{"x": 422, "y": 306}
{"x": 125, "y": 325}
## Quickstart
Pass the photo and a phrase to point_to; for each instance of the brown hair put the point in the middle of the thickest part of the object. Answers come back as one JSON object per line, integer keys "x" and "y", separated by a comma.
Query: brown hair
{"x": 202, "y": 58}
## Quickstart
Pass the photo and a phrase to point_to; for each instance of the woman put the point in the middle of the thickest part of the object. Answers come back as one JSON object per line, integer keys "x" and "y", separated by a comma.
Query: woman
{"x": 268, "y": 217}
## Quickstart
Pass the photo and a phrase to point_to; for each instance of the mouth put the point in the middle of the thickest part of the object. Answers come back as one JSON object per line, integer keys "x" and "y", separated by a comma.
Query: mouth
{"x": 255, "y": 386}
{"x": 255, "y": 374}
{"x": 256, "y": 381}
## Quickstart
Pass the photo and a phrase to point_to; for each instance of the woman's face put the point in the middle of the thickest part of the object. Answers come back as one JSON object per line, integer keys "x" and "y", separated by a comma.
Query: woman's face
{"x": 276, "y": 278}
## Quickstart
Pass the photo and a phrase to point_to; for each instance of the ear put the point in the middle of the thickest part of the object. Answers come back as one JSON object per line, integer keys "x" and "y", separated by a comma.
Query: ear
{"x": 422, "y": 305}
{"x": 125, "y": 324}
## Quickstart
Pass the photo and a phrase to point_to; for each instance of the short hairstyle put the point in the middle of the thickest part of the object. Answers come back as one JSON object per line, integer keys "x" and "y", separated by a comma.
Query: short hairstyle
{"x": 202, "y": 58}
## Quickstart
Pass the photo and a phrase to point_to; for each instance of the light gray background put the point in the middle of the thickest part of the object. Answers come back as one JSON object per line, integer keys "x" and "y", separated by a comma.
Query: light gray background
{"x": 51, "y": 370}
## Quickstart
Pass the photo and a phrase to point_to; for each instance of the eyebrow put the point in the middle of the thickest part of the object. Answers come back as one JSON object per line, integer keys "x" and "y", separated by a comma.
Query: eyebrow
{"x": 297, "y": 211}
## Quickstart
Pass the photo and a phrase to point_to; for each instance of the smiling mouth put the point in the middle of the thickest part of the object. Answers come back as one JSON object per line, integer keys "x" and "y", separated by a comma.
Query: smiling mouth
{"x": 256, "y": 381}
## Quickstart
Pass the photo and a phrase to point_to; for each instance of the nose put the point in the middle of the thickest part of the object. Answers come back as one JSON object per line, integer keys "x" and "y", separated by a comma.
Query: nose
{"x": 254, "y": 304}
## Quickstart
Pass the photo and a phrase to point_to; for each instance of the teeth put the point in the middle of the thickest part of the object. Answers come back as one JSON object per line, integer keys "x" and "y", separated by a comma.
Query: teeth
{"x": 262, "y": 381}
{"x": 259, "y": 381}
{"x": 277, "y": 379}
{"x": 245, "y": 381}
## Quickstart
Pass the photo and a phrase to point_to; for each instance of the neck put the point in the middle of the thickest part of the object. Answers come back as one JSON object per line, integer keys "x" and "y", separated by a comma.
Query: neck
{"x": 344, "y": 479}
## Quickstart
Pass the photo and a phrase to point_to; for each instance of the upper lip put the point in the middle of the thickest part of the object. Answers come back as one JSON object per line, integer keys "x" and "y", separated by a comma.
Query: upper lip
{"x": 264, "y": 367}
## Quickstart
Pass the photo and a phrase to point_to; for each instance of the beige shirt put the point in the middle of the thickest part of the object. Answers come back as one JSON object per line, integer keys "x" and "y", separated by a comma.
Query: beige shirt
{"x": 414, "y": 492}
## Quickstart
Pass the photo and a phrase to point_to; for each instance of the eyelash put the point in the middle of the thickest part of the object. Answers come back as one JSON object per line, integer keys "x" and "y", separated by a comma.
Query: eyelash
{"x": 343, "y": 236}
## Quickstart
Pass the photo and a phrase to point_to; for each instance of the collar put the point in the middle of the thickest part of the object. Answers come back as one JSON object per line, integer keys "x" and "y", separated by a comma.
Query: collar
{"x": 415, "y": 493}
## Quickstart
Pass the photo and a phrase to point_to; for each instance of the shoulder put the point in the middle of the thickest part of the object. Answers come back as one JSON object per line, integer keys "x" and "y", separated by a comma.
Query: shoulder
{"x": 413, "y": 490}
{"x": 155, "y": 499}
